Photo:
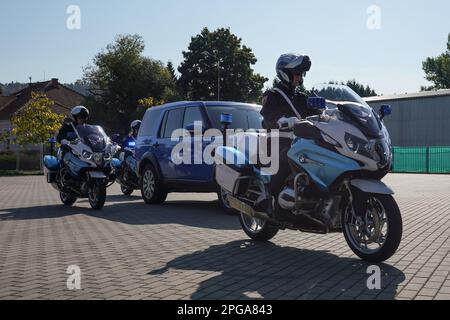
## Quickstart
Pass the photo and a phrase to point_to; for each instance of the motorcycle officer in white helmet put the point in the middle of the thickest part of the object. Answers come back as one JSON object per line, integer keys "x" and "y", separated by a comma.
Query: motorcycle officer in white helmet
{"x": 278, "y": 112}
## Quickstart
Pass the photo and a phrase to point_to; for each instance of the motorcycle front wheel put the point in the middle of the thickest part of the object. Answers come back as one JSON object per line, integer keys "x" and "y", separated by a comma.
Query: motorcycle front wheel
{"x": 97, "y": 194}
{"x": 374, "y": 235}
{"x": 125, "y": 190}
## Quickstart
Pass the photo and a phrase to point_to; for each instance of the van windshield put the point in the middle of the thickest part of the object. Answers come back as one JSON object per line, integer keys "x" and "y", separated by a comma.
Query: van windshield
{"x": 243, "y": 117}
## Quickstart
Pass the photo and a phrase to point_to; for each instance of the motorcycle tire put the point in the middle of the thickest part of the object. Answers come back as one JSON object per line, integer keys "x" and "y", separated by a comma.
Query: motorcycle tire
{"x": 126, "y": 191}
{"x": 97, "y": 194}
{"x": 66, "y": 199}
{"x": 393, "y": 236}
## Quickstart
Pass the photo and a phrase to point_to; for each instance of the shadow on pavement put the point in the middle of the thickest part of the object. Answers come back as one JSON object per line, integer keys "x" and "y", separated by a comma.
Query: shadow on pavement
{"x": 250, "y": 270}
{"x": 201, "y": 214}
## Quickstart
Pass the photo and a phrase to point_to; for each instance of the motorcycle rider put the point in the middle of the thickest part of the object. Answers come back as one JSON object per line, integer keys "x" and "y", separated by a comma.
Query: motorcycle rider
{"x": 132, "y": 136}
{"x": 278, "y": 112}
{"x": 79, "y": 115}
{"x": 128, "y": 146}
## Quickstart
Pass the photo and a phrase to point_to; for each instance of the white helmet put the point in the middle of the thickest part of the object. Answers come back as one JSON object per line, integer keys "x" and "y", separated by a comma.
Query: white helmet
{"x": 290, "y": 64}
{"x": 79, "y": 112}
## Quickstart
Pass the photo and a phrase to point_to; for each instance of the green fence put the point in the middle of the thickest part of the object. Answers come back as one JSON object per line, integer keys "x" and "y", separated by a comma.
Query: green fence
{"x": 422, "y": 160}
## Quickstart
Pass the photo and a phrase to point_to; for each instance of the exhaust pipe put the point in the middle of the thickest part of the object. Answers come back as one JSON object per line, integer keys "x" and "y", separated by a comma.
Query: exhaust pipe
{"x": 248, "y": 210}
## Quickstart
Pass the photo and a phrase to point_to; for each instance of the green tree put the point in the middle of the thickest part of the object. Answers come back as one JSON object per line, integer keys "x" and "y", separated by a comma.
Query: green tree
{"x": 36, "y": 122}
{"x": 437, "y": 70}
{"x": 171, "y": 69}
{"x": 119, "y": 78}
{"x": 220, "y": 52}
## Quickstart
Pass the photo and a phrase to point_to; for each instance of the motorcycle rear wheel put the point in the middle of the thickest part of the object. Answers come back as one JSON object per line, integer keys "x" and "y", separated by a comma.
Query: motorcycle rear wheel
{"x": 66, "y": 199}
{"x": 257, "y": 229}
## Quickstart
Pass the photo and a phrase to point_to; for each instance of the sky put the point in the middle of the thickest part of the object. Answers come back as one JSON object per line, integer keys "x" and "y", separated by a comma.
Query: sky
{"x": 345, "y": 39}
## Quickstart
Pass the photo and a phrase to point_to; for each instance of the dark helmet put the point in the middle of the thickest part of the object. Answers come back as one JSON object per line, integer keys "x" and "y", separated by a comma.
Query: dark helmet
{"x": 79, "y": 112}
{"x": 135, "y": 125}
{"x": 290, "y": 64}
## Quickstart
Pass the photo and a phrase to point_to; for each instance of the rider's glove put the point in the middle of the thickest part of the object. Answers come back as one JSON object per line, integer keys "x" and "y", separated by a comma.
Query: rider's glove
{"x": 288, "y": 123}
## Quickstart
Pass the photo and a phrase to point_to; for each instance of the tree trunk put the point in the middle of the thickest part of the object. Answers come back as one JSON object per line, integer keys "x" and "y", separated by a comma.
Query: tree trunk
{"x": 17, "y": 158}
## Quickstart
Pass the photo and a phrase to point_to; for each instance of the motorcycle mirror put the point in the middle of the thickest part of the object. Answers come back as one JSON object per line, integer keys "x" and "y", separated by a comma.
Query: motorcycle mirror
{"x": 385, "y": 110}
{"x": 316, "y": 103}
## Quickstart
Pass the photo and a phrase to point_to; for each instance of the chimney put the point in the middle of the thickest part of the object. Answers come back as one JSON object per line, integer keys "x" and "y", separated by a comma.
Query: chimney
{"x": 54, "y": 82}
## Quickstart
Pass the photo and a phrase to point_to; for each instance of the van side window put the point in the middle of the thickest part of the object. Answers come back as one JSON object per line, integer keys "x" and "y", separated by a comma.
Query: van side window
{"x": 149, "y": 123}
{"x": 163, "y": 125}
{"x": 174, "y": 122}
{"x": 191, "y": 115}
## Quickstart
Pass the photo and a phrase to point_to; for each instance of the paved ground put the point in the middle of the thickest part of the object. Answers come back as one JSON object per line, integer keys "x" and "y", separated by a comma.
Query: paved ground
{"x": 188, "y": 249}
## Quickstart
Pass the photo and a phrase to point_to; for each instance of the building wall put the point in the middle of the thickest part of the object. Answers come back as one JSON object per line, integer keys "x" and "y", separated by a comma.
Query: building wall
{"x": 418, "y": 122}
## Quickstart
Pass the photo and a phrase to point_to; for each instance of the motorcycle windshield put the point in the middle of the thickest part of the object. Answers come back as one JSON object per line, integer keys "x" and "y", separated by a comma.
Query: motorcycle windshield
{"x": 93, "y": 136}
{"x": 354, "y": 108}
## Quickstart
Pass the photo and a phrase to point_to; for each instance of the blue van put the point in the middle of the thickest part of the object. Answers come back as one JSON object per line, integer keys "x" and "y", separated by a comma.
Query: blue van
{"x": 157, "y": 173}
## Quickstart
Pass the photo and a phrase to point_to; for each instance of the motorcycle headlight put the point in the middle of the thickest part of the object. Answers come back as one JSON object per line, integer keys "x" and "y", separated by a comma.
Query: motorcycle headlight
{"x": 355, "y": 144}
{"x": 376, "y": 149}
{"x": 87, "y": 155}
{"x": 330, "y": 140}
{"x": 384, "y": 151}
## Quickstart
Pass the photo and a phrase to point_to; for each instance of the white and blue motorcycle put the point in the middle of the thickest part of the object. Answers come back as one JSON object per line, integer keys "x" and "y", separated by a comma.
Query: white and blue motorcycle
{"x": 337, "y": 160}
{"x": 87, "y": 167}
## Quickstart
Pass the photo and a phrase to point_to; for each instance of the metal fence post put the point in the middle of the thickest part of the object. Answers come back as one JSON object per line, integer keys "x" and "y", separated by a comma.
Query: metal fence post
{"x": 393, "y": 160}
{"x": 41, "y": 157}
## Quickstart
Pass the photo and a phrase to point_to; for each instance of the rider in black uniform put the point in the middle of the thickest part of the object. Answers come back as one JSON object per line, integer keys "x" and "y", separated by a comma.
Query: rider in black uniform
{"x": 80, "y": 115}
{"x": 291, "y": 68}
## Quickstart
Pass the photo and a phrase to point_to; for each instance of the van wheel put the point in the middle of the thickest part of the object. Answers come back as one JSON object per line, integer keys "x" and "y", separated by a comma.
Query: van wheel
{"x": 152, "y": 189}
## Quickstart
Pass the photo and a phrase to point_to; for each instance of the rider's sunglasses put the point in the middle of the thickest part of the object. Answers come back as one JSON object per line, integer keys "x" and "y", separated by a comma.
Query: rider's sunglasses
{"x": 302, "y": 74}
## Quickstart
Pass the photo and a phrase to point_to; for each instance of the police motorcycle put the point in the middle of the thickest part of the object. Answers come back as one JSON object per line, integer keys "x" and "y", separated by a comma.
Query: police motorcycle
{"x": 337, "y": 162}
{"x": 126, "y": 175}
{"x": 87, "y": 167}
